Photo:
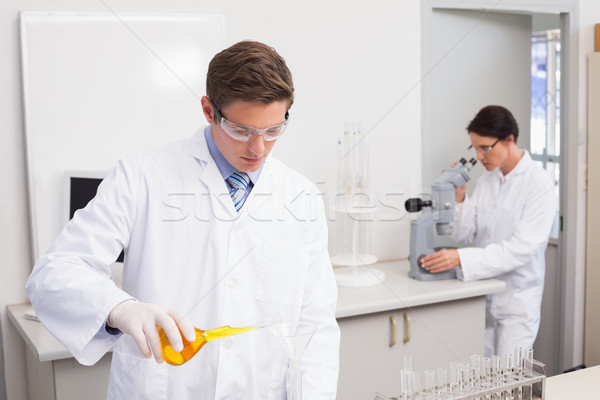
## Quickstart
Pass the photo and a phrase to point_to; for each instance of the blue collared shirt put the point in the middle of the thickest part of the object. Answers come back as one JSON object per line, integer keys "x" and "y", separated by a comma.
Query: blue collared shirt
{"x": 225, "y": 168}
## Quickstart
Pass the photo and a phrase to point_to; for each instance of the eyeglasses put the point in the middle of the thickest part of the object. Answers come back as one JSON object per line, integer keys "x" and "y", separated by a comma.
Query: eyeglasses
{"x": 245, "y": 133}
{"x": 483, "y": 149}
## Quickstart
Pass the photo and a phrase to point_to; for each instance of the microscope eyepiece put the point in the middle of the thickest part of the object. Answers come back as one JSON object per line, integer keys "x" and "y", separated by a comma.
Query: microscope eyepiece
{"x": 416, "y": 204}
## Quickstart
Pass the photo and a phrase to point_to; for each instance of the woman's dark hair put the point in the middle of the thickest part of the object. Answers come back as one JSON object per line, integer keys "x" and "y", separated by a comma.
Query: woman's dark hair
{"x": 494, "y": 121}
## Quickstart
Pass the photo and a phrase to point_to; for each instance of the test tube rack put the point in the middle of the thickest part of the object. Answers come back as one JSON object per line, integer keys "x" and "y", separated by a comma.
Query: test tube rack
{"x": 505, "y": 387}
{"x": 537, "y": 381}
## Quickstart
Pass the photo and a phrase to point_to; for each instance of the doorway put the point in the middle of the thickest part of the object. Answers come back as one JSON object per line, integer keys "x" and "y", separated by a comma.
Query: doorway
{"x": 473, "y": 57}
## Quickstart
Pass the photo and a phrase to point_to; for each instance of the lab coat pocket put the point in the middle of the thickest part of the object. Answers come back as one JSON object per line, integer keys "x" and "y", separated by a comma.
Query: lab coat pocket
{"x": 137, "y": 378}
{"x": 282, "y": 274}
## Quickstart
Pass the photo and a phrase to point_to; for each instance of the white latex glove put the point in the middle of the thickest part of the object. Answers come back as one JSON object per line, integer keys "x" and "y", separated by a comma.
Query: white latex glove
{"x": 140, "y": 319}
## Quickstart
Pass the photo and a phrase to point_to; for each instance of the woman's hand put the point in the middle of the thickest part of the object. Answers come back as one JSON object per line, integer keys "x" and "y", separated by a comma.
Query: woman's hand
{"x": 441, "y": 261}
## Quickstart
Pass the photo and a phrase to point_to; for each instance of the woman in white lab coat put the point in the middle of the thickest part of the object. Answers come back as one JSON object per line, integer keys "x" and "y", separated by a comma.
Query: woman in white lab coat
{"x": 508, "y": 221}
{"x": 193, "y": 259}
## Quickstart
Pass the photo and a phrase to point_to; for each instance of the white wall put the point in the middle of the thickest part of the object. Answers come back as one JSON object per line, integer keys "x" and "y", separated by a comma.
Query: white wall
{"x": 350, "y": 60}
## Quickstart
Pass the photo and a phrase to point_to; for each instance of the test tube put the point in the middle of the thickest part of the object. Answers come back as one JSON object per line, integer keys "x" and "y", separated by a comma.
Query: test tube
{"x": 429, "y": 384}
{"x": 528, "y": 373}
{"x": 464, "y": 375}
{"x": 454, "y": 368}
{"x": 408, "y": 363}
{"x": 475, "y": 371}
{"x": 486, "y": 375}
{"x": 496, "y": 380}
{"x": 507, "y": 366}
{"x": 406, "y": 384}
{"x": 442, "y": 383}
{"x": 519, "y": 359}
{"x": 486, "y": 372}
{"x": 417, "y": 386}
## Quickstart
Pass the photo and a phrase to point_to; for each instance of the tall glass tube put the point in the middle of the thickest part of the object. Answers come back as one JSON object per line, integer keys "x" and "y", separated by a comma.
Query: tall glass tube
{"x": 475, "y": 371}
{"x": 507, "y": 373}
{"x": 429, "y": 384}
{"x": 442, "y": 388}
{"x": 454, "y": 372}
{"x": 528, "y": 373}
{"x": 519, "y": 359}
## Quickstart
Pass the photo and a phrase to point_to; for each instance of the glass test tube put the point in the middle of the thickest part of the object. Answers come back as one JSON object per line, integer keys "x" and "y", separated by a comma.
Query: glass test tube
{"x": 454, "y": 368}
{"x": 507, "y": 366}
{"x": 464, "y": 375}
{"x": 519, "y": 359}
{"x": 486, "y": 375}
{"x": 496, "y": 380}
{"x": 406, "y": 384}
{"x": 475, "y": 370}
{"x": 408, "y": 363}
{"x": 528, "y": 373}
{"x": 417, "y": 386}
{"x": 429, "y": 384}
{"x": 442, "y": 388}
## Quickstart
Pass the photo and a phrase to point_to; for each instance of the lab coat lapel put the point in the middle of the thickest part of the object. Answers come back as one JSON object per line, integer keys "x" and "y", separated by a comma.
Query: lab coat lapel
{"x": 211, "y": 178}
{"x": 259, "y": 204}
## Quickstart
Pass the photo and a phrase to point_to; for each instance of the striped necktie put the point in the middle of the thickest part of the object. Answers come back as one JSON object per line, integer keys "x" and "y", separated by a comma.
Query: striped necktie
{"x": 239, "y": 181}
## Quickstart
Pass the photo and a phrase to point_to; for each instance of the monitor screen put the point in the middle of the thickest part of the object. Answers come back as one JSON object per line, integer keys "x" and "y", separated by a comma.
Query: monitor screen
{"x": 82, "y": 189}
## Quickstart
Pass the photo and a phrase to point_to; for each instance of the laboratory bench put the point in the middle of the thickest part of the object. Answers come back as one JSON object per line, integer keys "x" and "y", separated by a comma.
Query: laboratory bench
{"x": 435, "y": 322}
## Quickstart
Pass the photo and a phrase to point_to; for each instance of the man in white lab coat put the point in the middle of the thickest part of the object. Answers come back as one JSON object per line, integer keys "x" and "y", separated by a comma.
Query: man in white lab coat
{"x": 215, "y": 232}
{"x": 508, "y": 220}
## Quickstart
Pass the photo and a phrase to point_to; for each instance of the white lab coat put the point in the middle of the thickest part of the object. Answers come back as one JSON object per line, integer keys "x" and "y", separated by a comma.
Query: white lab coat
{"x": 508, "y": 221}
{"x": 186, "y": 247}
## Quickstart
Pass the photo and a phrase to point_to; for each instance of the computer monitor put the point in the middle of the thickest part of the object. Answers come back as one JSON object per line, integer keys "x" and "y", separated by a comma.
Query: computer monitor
{"x": 81, "y": 187}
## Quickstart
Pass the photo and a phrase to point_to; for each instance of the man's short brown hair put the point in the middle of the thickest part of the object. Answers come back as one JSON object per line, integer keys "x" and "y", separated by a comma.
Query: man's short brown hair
{"x": 251, "y": 72}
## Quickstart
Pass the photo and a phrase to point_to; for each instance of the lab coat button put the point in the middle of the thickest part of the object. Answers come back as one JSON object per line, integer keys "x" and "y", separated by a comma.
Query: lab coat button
{"x": 232, "y": 283}
{"x": 228, "y": 344}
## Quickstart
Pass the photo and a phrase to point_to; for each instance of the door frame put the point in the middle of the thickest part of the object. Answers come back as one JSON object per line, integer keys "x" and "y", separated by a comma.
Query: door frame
{"x": 571, "y": 291}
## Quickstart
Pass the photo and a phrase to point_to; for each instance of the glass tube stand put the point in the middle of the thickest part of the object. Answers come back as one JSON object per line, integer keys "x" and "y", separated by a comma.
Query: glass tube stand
{"x": 506, "y": 387}
{"x": 353, "y": 237}
{"x": 353, "y": 212}
{"x": 518, "y": 386}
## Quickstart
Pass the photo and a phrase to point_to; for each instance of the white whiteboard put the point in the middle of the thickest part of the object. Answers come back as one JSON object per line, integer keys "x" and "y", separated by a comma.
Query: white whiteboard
{"x": 100, "y": 86}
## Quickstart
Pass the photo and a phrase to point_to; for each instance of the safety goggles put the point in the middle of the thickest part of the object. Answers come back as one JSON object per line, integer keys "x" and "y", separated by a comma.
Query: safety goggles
{"x": 483, "y": 149}
{"x": 245, "y": 133}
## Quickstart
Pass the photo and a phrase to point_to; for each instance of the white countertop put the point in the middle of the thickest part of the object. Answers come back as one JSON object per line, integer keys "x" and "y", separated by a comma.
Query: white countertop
{"x": 396, "y": 292}
{"x": 582, "y": 384}
{"x": 43, "y": 345}
{"x": 399, "y": 291}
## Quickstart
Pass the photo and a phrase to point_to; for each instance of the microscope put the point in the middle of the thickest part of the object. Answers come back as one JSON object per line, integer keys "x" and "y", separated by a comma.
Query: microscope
{"x": 441, "y": 214}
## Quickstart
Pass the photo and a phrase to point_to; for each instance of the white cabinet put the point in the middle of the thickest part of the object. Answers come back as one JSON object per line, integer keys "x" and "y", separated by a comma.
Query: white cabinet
{"x": 439, "y": 333}
{"x": 52, "y": 373}
{"x": 66, "y": 379}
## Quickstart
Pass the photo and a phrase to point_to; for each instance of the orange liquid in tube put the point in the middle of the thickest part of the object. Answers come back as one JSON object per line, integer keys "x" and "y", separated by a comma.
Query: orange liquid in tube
{"x": 191, "y": 348}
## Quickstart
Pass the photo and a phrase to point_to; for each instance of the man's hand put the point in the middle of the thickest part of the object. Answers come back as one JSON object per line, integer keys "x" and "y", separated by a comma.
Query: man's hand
{"x": 140, "y": 320}
{"x": 441, "y": 261}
